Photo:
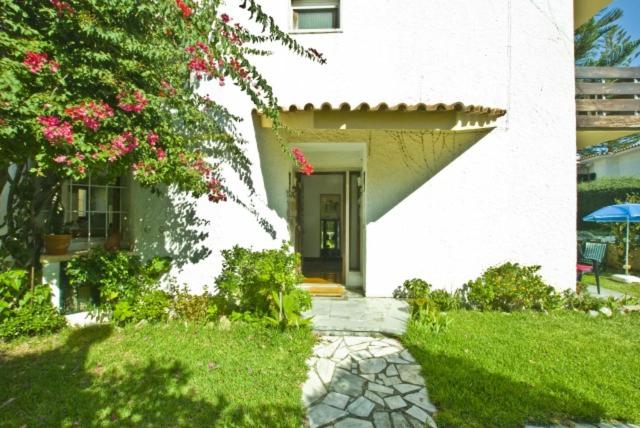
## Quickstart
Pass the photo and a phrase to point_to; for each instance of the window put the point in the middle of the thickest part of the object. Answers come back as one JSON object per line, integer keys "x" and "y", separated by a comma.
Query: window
{"x": 95, "y": 208}
{"x": 315, "y": 14}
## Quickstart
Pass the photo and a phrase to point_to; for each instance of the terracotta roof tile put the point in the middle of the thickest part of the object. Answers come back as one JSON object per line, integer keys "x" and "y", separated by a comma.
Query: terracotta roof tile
{"x": 458, "y": 106}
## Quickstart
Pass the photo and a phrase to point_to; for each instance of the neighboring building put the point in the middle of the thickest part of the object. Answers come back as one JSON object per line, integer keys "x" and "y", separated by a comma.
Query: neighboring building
{"x": 624, "y": 162}
{"x": 443, "y": 134}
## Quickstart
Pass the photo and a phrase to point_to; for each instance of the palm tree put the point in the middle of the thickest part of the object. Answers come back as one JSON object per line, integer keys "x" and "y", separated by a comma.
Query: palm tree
{"x": 601, "y": 42}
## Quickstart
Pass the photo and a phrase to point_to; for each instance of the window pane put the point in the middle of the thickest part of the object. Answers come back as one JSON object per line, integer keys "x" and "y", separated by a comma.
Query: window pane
{"x": 114, "y": 199}
{"x": 79, "y": 196}
{"x": 99, "y": 225}
{"x": 99, "y": 201}
{"x": 316, "y": 19}
{"x": 80, "y": 225}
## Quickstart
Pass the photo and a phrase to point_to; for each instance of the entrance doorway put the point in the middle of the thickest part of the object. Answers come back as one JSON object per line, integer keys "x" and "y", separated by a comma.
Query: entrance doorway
{"x": 328, "y": 227}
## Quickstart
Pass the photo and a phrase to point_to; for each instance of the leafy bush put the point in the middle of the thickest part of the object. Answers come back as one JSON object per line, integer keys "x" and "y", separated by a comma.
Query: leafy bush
{"x": 263, "y": 285}
{"x": 602, "y": 192}
{"x": 125, "y": 286}
{"x": 412, "y": 289}
{"x": 445, "y": 301}
{"x": 24, "y": 311}
{"x": 510, "y": 287}
{"x": 193, "y": 307}
{"x": 582, "y": 302}
{"x": 422, "y": 300}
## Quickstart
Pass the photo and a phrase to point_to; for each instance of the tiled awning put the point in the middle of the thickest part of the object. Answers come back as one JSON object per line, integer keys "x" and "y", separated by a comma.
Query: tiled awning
{"x": 367, "y": 116}
{"x": 438, "y": 107}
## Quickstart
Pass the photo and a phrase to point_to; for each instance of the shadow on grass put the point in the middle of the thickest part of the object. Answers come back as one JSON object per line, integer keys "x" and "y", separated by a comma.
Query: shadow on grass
{"x": 469, "y": 396}
{"x": 56, "y": 389}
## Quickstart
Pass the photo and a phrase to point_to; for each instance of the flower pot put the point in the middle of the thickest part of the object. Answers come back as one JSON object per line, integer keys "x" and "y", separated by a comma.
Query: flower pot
{"x": 56, "y": 245}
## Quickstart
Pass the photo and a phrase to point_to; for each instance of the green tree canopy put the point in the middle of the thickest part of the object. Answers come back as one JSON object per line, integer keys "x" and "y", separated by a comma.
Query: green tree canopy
{"x": 601, "y": 42}
{"x": 111, "y": 86}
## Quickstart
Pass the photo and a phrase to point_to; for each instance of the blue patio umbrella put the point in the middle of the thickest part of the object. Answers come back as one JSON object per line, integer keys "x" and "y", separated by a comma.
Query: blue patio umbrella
{"x": 629, "y": 213}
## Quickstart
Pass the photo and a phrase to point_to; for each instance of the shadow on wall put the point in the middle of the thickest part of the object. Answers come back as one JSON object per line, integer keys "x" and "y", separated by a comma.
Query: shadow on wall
{"x": 169, "y": 225}
{"x": 58, "y": 388}
{"x": 400, "y": 162}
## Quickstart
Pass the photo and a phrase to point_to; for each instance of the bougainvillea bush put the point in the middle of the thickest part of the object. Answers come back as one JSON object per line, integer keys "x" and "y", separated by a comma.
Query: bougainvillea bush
{"x": 111, "y": 85}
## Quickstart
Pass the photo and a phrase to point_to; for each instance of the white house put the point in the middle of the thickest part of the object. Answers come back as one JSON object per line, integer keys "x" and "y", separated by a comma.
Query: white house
{"x": 442, "y": 132}
{"x": 624, "y": 162}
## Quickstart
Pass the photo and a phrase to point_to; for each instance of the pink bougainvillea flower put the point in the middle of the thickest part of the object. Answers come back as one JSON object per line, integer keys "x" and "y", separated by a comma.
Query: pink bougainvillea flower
{"x": 216, "y": 192}
{"x": 152, "y": 138}
{"x": 54, "y": 66}
{"x": 91, "y": 113}
{"x": 161, "y": 154}
{"x": 136, "y": 105}
{"x": 225, "y": 18}
{"x": 306, "y": 169}
{"x": 303, "y": 164}
{"x": 60, "y": 159}
{"x": 120, "y": 145}
{"x": 62, "y": 7}
{"x": 186, "y": 10}
{"x": 34, "y": 61}
{"x": 56, "y": 131}
{"x": 167, "y": 90}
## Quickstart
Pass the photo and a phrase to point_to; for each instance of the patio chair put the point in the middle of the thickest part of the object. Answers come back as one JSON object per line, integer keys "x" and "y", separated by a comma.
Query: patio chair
{"x": 592, "y": 255}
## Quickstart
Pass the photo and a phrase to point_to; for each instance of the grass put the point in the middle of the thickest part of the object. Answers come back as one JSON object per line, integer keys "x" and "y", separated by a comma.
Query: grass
{"x": 505, "y": 370}
{"x": 606, "y": 282}
{"x": 178, "y": 375}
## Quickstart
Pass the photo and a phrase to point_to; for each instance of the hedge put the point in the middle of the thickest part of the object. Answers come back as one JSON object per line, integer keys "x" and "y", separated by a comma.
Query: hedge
{"x": 602, "y": 192}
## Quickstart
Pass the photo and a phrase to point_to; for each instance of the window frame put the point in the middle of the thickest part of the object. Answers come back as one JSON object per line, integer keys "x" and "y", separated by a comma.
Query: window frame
{"x": 122, "y": 212}
{"x": 319, "y": 6}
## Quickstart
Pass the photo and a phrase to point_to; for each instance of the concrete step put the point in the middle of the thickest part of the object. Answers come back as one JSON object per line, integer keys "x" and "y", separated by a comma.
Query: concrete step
{"x": 324, "y": 290}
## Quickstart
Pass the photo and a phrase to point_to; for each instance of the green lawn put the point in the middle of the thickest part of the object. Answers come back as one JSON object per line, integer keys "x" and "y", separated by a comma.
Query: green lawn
{"x": 157, "y": 375}
{"x": 607, "y": 282}
{"x": 503, "y": 370}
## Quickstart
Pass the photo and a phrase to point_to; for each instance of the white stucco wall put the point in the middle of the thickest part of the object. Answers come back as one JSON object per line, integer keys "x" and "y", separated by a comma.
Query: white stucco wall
{"x": 509, "y": 197}
{"x": 624, "y": 164}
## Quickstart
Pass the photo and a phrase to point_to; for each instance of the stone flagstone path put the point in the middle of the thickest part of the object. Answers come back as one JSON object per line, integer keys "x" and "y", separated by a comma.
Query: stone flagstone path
{"x": 364, "y": 382}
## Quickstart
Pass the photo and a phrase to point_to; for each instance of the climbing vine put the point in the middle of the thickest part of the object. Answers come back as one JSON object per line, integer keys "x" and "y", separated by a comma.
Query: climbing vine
{"x": 111, "y": 86}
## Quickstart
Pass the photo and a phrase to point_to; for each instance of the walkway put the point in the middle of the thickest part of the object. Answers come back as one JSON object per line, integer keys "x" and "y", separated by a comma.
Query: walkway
{"x": 362, "y": 381}
{"x": 356, "y": 314}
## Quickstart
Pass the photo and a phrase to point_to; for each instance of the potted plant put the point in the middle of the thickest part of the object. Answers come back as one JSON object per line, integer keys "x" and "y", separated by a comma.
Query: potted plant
{"x": 57, "y": 237}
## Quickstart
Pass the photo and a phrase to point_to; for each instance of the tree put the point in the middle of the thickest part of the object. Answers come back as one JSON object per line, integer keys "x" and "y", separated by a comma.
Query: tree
{"x": 111, "y": 86}
{"x": 601, "y": 42}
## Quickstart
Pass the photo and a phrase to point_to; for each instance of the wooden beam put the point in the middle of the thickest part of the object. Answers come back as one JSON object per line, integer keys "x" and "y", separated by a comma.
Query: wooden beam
{"x": 607, "y": 72}
{"x": 607, "y": 88}
{"x": 608, "y": 105}
{"x": 608, "y": 122}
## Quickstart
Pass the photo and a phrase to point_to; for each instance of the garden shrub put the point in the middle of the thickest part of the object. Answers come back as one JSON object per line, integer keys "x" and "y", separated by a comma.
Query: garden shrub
{"x": 262, "y": 285}
{"x": 422, "y": 300}
{"x": 24, "y": 311}
{"x": 582, "y": 302}
{"x": 412, "y": 289}
{"x": 600, "y": 193}
{"x": 445, "y": 301}
{"x": 510, "y": 287}
{"x": 195, "y": 307}
{"x": 125, "y": 287}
